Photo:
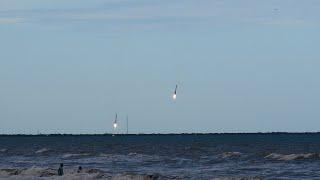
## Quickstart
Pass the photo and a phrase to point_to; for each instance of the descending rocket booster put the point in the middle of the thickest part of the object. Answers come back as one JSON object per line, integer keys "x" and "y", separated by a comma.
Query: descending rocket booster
{"x": 174, "y": 96}
{"x": 115, "y": 123}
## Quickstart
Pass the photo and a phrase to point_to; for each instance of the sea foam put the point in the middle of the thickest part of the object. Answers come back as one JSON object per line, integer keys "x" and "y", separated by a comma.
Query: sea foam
{"x": 43, "y": 150}
{"x": 3, "y": 150}
{"x": 74, "y": 155}
{"x": 47, "y": 173}
{"x": 231, "y": 154}
{"x": 290, "y": 157}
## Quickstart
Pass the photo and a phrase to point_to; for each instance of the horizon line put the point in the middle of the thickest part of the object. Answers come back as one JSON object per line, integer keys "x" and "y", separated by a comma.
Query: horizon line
{"x": 154, "y": 134}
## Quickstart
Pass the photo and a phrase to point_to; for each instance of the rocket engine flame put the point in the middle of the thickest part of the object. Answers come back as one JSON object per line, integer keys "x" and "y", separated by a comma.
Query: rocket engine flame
{"x": 115, "y": 125}
{"x": 174, "y": 97}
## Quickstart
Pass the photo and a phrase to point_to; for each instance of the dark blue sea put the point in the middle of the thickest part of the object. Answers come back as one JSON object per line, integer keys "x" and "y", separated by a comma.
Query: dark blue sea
{"x": 192, "y": 156}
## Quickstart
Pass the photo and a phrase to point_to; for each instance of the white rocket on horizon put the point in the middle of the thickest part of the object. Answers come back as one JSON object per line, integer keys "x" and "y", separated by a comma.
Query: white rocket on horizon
{"x": 115, "y": 123}
{"x": 174, "y": 96}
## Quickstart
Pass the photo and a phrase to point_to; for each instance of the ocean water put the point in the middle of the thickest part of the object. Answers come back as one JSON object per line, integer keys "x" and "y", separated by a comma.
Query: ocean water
{"x": 206, "y": 156}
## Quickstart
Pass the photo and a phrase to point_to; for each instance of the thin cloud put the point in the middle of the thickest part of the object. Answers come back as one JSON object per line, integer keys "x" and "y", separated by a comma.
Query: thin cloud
{"x": 11, "y": 20}
{"x": 167, "y": 13}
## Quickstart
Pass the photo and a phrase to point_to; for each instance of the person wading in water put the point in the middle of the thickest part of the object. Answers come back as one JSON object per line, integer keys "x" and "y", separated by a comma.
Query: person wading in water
{"x": 60, "y": 170}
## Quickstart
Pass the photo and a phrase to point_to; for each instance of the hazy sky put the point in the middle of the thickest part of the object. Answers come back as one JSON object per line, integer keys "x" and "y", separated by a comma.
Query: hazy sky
{"x": 67, "y": 66}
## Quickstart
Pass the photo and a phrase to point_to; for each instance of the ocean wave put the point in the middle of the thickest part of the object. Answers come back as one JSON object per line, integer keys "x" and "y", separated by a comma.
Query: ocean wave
{"x": 144, "y": 156}
{"x": 36, "y": 172}
{"x": 105, "y": 155}
{"x": 238, "y": 178}
{"x": 290, "y": 157}
{"x": 133, "y": 176}
{"x": 43, "y": 150}
{"x": 9, "y": 172}
{"x": 74, "y": 155}
{"x": 133, "y": 154}
{"x": 33, "y": 171}
{"x": 85, "y": 176}
{"x": 137, "y": 157}
{"x": 231, "y": 154}
{"x": 132, "y": 157}
{"x": 3, "y": 150}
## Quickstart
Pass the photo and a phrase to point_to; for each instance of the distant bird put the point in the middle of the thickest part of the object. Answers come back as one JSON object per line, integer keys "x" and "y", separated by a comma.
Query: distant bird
{"x": 174, "y": 96}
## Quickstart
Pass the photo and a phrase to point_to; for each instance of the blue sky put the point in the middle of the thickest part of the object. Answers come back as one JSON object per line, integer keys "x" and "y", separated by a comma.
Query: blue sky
{"x": 241, "y": 66}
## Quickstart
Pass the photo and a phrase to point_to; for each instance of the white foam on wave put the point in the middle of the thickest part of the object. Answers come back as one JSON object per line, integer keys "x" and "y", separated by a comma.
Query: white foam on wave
{"x": 47, "y": 173}
{"x": 133, "y": 154}
{"x": 231, "y": 154}
{"x": 85, "y": 176}
{"x": 290, "y": 157}
{"x": 74, "y": 155}
{"x": 3, "y": 150}
{"x": 38, "y": 171}
{"x": 33, "y": 171}
{"x": 8, "y": 172}
{"x": 128, "y": 176}
{"x": 238, "y": 178}
{"x": 43, "y": 150}
{"x": 132, "y": 157}
{"x": 143, "y": 156}
{"x": 105, "y": 155}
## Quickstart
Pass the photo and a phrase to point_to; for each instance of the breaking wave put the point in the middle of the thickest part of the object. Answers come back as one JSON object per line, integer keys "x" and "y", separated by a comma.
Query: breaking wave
{"x": 291, "y": 157}
{"x": 43, "y": 150}
{"x": 74, "y": 155}
{"x": 36, "y": 172}
{"x": 3, "y": 150}
{"x": 128, "y": 176}
{"x": 88, "y": 174}
{"x": 33, "y": 171}
{"x": 255, "y": 156}
{"x": 231, "y": 154}
{"x": 132, "y": 157}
